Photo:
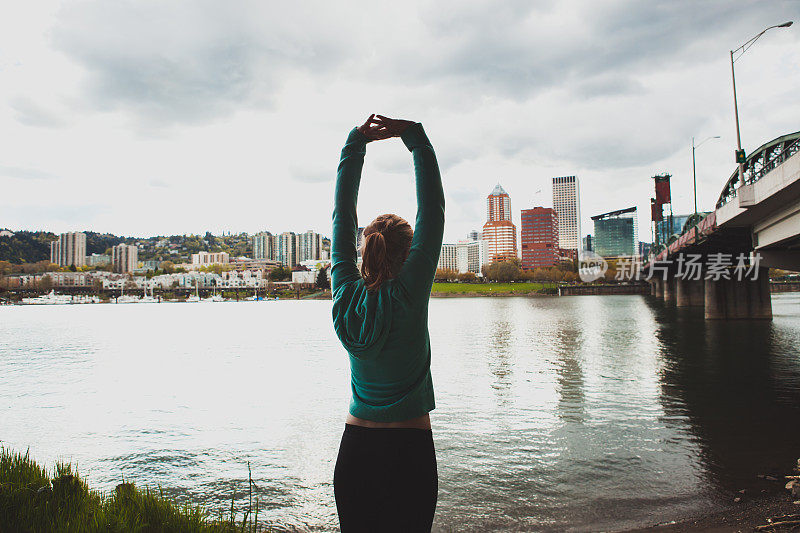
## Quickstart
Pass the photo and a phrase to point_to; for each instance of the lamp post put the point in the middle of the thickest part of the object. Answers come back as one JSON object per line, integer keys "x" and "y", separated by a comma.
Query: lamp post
{"x": 694, "y": 172}
{"x": 746, "y": 46}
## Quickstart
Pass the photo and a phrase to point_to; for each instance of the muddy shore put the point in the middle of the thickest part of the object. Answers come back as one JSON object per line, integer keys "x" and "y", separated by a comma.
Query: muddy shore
{"x": 744, "y": 515}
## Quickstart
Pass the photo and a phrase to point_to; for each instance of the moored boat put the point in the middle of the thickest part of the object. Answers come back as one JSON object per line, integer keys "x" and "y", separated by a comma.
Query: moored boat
{"x": 50, "y": 298}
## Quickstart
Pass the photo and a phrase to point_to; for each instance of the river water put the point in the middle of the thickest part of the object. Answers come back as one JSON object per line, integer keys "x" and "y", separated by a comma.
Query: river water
{"x": 578, "y": 413}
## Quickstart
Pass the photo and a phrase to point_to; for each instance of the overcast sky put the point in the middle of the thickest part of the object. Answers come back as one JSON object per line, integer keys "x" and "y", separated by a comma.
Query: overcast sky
{"x": 148, "y": 117}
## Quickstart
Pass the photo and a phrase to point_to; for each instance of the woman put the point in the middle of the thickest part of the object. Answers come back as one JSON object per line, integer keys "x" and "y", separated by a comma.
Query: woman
{"x": 385, "y": 477}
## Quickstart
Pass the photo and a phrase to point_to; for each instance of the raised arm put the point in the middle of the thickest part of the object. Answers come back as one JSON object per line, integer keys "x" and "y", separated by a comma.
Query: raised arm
{"x": 420, "y": 267}
{"x": 348, "y": 178}
{"x": 345, "y": 221}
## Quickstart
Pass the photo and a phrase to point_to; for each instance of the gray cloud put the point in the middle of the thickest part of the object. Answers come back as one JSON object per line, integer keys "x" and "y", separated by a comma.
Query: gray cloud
{"x": 514, "y": 90}
{"x": 510, "y": 50}
{"x": 187, "y": 63}
{"x": 30, "y": 113}
{"x": 25, "y": 173}
{"x": 605, "y": 85}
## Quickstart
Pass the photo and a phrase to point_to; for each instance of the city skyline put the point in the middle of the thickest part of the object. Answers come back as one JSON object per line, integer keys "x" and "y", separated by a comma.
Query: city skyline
{"x": 166, "y": 120}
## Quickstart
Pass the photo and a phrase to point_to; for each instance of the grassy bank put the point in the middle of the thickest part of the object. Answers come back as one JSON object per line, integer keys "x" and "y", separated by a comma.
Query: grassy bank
{"x": 489, "y": 289}
{"x": 31, "y": 499}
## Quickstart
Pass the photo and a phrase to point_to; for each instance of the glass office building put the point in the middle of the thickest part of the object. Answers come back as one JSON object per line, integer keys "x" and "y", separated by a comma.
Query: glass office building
{"x": 616, "y": 233}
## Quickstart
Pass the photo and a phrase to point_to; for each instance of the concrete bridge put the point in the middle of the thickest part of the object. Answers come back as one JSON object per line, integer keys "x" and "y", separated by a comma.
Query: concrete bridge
{"x": 755, "y": 226}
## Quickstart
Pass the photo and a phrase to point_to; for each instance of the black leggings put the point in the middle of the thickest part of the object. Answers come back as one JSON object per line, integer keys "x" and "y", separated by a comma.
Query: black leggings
{"x": 386, "y": 480}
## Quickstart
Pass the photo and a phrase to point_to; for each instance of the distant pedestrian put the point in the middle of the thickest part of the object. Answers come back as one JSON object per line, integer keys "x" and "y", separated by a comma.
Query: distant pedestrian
{"x": 385, "y": 477}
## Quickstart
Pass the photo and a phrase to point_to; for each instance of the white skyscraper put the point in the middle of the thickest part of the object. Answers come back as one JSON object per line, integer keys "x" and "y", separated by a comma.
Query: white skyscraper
{"x": 567, "y": 203}
{"x": 466, "y": 256}
{"x": 69, "y": 249}
{"x": 124, "y": 258}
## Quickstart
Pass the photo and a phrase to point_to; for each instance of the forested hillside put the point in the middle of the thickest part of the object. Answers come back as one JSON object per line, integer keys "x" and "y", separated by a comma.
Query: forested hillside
{"x": 32, "y": 246}
{"x": 26, "y": 247}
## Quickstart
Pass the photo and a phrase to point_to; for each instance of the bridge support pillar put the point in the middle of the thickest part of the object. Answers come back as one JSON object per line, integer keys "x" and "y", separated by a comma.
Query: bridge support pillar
{"x": 669, "y": 290}
{"x": 681, "y": 292}
{"x": 733, "y": 299}
{"x": 658, "y": 283}
{"x": 760, "y": 297}
{"x": 697, "y": 296}
{"x": 689, "y": 292}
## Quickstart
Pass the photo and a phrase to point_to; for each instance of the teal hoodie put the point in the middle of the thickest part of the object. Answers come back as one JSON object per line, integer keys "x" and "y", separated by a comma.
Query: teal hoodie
{"x": 385, "y": 331}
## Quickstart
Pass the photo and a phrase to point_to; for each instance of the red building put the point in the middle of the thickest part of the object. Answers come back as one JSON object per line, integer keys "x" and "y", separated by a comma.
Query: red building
{"x": 539, "y": 238}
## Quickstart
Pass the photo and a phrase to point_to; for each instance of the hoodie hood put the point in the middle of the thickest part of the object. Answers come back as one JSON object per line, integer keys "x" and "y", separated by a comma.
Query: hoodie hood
{"x": 362, "y": 319}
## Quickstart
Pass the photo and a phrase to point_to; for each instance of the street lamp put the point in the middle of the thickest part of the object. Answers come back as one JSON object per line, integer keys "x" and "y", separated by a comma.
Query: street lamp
{"x": 694, "y": 172}
{"x": 746, "y": 46}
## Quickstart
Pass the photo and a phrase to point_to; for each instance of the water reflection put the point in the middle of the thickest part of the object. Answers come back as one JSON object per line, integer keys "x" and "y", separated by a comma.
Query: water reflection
{"x": 501, "y": 356}
{"x": 737, "y": 383}
{"x": 569, "y": 344}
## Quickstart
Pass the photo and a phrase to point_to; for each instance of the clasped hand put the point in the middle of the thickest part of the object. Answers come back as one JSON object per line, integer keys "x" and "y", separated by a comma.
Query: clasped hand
{"x": 378, "y": 127}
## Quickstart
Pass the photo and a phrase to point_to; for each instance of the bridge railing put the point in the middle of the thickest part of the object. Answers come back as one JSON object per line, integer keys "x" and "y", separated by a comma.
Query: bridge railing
{"x": 759, "y": 164}
{"x": 784, "y": 154}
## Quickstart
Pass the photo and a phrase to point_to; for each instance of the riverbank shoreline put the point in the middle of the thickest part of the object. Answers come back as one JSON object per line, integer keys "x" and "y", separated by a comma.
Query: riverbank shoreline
{"x": 57, "y": 498}
{"x": 480, "y": 290}
{"x": 490, "y": 295}
{"x": 745, "y": 515}
{"x": 38, "y": 499}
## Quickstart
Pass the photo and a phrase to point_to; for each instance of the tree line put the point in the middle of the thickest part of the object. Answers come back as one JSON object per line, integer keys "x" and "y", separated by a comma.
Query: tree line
{"x": 511, "y": 270}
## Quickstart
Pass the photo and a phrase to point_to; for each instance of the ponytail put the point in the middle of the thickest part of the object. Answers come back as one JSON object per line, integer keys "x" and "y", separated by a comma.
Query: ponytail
{"x": 387, "y": 241}
{"x": 375, "y": 265}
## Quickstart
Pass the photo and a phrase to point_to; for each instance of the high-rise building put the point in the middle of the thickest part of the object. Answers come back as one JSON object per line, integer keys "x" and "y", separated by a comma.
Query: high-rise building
{"x": 448, "y": 257}
{"x": 210, "y": 258}
{"x": 286, "y": 248}
{"x": 616, "y": 233}
{"x": 263, "y": 245}
{"x": 309, "y": 246}
{"x": 124, "y": 258}
{"x": 465, "y": 256}
{"x": 587, "y": 243}
{"x": 69, "y": 249}
{"x": 498, "y": 205}
{"x": 539, "y": 238}
{"x": 474, "y": 235}
{"x": 566, "y": 202}
{"x": 644, "y": 250}
{"x": 472, "y": 256}
{"x": 499, "y": 232}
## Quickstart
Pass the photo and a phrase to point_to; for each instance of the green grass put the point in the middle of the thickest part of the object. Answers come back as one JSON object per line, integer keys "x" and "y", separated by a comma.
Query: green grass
{"x": 31, "y": 500}
{"x": 493, "y": 288}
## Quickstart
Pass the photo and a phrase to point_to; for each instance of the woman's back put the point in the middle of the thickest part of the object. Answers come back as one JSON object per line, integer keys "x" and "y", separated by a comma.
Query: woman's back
{"x": 385, "y": 330}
